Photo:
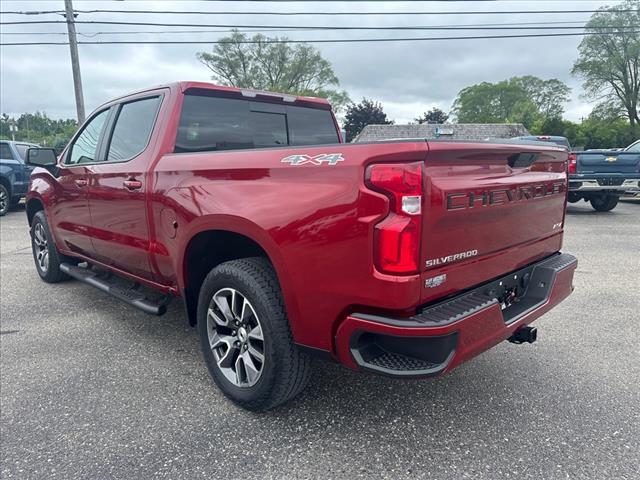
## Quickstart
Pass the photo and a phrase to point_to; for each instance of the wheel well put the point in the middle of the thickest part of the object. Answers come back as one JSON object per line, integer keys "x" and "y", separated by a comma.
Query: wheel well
{"x": 207, "y": 250}
{"x": 33, "y": 207}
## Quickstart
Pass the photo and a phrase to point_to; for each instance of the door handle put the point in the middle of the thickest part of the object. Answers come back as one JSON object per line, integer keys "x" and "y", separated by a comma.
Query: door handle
{"x": 81, "y": 182}
{"x": 132, "y": 184}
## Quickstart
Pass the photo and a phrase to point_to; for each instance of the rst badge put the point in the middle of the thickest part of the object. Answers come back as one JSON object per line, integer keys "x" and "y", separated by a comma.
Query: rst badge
{"x": 303, "y": 159}
{"x": 434, "y": 282}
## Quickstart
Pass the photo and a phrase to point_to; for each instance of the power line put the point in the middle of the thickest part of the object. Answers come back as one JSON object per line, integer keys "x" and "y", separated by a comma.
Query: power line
{"x": 197, "y": 12}
{"x": 325, "y": 40}
{"x": 300, "y": 27}
{"x": 292, "y": 29}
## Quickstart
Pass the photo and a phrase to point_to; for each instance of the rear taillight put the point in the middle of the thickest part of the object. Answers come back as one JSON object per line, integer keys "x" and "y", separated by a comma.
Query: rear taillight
{"x": 573, "y": 161}
{"x": 397, "y": 237}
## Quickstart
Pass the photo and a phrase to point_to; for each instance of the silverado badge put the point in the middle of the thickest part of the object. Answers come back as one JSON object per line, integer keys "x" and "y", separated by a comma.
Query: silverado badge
{"x": 301, "y": 159}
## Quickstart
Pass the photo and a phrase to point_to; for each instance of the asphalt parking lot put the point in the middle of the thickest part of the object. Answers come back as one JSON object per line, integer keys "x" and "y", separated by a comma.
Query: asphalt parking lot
{"x": 91, "y": 388}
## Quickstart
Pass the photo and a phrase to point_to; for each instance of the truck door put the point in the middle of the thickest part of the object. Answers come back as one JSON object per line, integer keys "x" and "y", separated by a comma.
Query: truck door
{"x": 117, "y": 191}
{"x": 70, "y": 213}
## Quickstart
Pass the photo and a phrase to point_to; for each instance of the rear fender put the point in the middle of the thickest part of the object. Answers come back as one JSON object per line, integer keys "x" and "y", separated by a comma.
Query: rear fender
{"x": 246, "y": 228}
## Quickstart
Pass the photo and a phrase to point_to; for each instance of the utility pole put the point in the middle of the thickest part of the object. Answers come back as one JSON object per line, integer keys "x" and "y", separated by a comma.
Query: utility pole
{"x": 75, "y": 61}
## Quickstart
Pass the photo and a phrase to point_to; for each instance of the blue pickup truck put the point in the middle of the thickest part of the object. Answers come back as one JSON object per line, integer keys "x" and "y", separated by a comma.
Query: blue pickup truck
{"x": 14, "y": 173}
{"x": 602, "y": 176}
{"x": 599, "y": 177}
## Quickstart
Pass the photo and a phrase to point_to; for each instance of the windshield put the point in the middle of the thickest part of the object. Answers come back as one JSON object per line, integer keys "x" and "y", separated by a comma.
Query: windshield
{"x": 22, "y": 150}
{"x": 634, "y": 147}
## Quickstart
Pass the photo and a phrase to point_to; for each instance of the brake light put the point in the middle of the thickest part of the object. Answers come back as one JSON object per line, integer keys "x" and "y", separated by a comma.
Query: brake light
{"x": 544, "y": 137}
{"x": 573, "y": 163}
{"x": 397, "y": 237}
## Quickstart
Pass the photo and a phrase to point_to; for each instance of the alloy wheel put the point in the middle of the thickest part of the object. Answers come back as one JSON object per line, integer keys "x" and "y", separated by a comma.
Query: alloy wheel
{"x": 41, "y": 247}
{"x": 235, "y": 337}
{"x": 4, "y": 200}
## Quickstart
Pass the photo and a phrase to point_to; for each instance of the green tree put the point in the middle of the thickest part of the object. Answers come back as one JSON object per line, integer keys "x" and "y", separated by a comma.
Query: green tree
{"x": 38, "y": 128}
{"x": 270, "y": 63}
{"x": 518, "y": 99}
{"x": 609, "y": 60}
{"x": 358, "y": 116}
{"x": 593, "y": 132}
{"x": 549, "y": 96}
{"x": 435, "y": 115}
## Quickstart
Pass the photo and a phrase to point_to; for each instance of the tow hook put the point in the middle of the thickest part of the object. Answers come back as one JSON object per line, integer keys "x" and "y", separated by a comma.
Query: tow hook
{"x": 524, "y": 334}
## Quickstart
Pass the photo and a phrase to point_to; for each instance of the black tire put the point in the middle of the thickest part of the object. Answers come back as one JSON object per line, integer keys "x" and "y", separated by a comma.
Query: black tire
{"x": 573, "y": 197}
{"x": 48, "y": 270}
{"x": 285, "y": 370}
{"x": 604, "y": 203}
{"x": 5, "y": 200}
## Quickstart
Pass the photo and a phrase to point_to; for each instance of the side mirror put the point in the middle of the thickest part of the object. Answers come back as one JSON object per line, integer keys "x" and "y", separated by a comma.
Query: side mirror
{"x": 42, "y": 157}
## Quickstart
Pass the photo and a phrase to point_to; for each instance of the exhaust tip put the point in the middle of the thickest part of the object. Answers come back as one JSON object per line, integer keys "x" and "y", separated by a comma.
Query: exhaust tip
{"x": 524, "y": 335}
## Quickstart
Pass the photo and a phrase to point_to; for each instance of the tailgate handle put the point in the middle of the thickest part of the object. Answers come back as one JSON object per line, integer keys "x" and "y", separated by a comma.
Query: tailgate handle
{"x": 524, "y": 159}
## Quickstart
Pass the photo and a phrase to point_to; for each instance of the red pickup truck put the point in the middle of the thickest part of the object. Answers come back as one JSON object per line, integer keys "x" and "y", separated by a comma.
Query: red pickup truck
{"x": 404, "y": 258}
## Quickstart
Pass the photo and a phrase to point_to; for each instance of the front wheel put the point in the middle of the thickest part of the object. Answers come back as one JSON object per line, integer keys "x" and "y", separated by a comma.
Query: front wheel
{"x": 5, "y": 200}
{"x": 45, "y": 253}
{"x": 245, "y": 336}
{"x": 604, "y": 203}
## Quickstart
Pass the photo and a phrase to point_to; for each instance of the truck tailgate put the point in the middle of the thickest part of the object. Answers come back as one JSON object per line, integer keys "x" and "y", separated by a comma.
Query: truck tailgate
{"x": 489, "y": 209}
{"x": 607, "y": 162}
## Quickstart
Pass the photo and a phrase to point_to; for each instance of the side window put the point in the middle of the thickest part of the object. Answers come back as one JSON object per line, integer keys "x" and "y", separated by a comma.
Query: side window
{"x": 85, "y": 147}
{"x": 5, "y": 152}
{"x": 132, "y": 129}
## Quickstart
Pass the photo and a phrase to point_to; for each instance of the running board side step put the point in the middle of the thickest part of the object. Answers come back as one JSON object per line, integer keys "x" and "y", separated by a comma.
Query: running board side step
{"x": 132, "y": 296}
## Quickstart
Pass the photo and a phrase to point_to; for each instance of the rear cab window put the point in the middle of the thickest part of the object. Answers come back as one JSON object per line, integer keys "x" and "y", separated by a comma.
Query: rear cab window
{"x": 210, "y": 123}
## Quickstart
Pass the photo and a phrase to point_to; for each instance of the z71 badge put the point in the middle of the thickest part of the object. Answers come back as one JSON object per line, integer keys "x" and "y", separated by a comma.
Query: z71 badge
{"x": 328, "y": 158}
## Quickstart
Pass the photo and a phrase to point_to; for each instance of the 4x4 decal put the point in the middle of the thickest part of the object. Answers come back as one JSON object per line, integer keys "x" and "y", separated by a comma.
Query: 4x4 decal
{"x": 302, "y": 159}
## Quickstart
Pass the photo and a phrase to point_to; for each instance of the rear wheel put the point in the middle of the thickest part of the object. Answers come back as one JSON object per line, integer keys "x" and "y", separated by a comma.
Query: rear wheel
{"x": 45, "y": 254}
{"x": 5, "y": 200}
{"x": 245, "y": 336}
{"x": 604, "y": 203}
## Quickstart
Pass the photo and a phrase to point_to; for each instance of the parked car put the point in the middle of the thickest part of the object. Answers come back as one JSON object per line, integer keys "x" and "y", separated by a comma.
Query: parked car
{"x": 602, "y": 176}
{"x": 14, "y": 173}
{"x": 403, "y": 258}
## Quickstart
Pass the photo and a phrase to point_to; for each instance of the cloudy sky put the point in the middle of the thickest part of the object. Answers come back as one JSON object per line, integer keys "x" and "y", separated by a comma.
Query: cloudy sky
{"x": 407, "y": 77}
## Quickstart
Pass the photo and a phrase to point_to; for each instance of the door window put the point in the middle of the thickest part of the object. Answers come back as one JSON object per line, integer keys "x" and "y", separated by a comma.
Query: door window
{"x": 133, "y": 129}
{"x": 5, "y": 152}
{"x": 85, "y": 147}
